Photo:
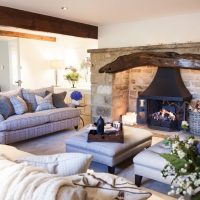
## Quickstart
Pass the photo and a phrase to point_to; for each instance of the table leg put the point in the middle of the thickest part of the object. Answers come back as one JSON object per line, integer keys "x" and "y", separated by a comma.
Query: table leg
{"x": 111, "y": 170}
{"x": 82, "y": 120}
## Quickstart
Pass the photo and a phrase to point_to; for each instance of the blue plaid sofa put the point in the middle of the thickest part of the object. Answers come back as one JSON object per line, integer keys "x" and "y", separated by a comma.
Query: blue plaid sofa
{"x": 33, "y": 124}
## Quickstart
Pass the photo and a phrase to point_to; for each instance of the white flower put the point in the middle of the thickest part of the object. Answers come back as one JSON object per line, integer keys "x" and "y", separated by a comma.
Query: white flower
{"x": 183, "y": 170}
{"x": 197, "y": 182}
{"x": 187, "y": 146}
{"x": 184, "y": 123}
{"x": 186, "y": 165}
{"x": 171, "y": 192}
{"x": 90, "y": 171}
{"x": 189, "y": 191}
{"x": 191, "y": 141}
{"x": 181, "y": 154}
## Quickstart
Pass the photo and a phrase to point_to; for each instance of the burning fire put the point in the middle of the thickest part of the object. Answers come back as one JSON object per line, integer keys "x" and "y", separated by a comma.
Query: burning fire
{"x": 164, "y": 115}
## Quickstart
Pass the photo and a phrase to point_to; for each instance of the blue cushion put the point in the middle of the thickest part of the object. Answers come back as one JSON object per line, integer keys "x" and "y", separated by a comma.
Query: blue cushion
{"x": 19, "y": 105}
{"x": 6, "y": 108}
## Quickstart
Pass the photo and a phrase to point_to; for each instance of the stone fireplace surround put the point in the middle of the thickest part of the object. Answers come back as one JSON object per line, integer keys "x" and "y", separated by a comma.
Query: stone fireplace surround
{"x": 115, "y": 94}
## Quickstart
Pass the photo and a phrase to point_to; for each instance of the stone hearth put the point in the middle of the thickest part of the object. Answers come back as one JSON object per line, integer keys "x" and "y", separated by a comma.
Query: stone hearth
{"x": 115, "y": 94}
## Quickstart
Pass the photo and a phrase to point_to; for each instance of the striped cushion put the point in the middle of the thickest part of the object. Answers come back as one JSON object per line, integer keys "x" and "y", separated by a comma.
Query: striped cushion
{"x": 45, "y": 103}
{"x": 65, "y": 164}
{"x": 19, "y": 105}
{"x": 29, "y": 96}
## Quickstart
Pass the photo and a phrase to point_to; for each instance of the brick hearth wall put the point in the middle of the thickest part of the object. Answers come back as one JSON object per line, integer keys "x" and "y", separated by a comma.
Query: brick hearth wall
{"x": 115, "y": 94}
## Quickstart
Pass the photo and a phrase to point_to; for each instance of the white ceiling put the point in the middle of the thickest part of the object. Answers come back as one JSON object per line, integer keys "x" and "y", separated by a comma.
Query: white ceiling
{"x": 101, "y": 12}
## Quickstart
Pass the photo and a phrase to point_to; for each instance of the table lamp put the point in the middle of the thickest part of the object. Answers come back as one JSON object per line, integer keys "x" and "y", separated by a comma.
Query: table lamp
{"x": 56, "y": 65}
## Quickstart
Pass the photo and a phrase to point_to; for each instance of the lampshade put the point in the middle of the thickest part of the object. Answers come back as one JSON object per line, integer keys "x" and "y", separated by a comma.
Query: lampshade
{"x": 56, "y": 64}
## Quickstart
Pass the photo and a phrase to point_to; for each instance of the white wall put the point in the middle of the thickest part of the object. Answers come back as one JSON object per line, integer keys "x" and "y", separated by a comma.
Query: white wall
{"x": 35, "y": 56}
{"x": 4, "y": 66}
{"x": 182, "y": 28}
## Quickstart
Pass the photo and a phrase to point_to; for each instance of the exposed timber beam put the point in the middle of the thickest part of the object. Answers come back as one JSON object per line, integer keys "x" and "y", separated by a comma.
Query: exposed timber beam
{"x": 27, "y": 35}
{"x": 37, "y": 22}
{"x": 159, "y": 59}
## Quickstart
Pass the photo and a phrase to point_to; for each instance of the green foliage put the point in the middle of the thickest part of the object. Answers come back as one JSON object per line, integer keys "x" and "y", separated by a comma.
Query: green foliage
{"x": 174, "y": 160}
{"x": 73, "y": 76}
{"x": 196, "y": 196}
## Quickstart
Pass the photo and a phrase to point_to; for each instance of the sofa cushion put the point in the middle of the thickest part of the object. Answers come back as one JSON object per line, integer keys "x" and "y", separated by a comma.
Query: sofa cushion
{"x": 132, "y": 138}
{"x": 59, "y": 114}
{"x": 19, "y": 105}
{"x": 12, "y": 153}
{"x": 159, "y": 148}
{"x": 26, "y": 120}
{"x": 29, "y": 96}
{"x": 148, "y": 159}
{"x": 64, "y": 164}
{"x": 59, "y": 99}
{"x": 150, "y": 156}
{"x": 44, "y": 103}
{"x": 6, "y": 108}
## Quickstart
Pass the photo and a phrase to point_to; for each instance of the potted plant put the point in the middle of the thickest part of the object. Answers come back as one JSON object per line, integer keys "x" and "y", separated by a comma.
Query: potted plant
{"x": 73, "y": 76}
{"x": 184, "y": 165}
{"x": 76, "y": 96}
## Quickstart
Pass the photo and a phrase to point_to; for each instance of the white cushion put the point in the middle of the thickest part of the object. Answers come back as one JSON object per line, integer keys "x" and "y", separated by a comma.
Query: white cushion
{"x": 45, "y": 103}
{"x": 12, "y": 153}
{"x": 64, "y": 164}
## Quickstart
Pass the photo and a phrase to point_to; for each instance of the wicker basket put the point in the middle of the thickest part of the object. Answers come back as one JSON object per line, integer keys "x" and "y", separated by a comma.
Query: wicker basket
{"x": 194, "y": 122}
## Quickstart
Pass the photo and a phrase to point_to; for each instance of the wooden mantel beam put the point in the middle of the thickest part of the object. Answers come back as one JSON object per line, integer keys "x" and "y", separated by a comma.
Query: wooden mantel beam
{"x": 159, "y": 59}
{"x": 37, "y": 22}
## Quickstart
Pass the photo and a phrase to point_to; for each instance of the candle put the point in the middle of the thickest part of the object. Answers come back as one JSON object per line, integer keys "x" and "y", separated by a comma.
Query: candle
{"x": 141, "y": 102}
{"x": 129, "y": 119}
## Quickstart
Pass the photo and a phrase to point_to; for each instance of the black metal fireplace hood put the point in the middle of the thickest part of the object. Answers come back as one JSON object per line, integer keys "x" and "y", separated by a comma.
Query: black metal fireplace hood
{"x": 167, "y": 85}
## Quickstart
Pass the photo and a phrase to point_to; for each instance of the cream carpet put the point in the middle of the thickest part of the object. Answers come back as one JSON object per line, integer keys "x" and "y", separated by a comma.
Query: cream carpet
{"x": 55, "y": 143}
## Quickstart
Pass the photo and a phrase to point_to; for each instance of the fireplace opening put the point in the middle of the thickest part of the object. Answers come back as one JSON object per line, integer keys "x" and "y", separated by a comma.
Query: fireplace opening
{"x": 162, "y": 105}
{"x": 165, "y": 115}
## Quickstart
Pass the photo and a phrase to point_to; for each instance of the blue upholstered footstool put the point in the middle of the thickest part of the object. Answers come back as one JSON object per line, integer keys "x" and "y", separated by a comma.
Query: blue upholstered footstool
{"x": 111, "y": 154}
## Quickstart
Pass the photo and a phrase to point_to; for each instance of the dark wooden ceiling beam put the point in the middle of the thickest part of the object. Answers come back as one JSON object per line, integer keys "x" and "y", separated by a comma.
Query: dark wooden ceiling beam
{"x": 159, "y": 59}
{"x": 37, "y": 22}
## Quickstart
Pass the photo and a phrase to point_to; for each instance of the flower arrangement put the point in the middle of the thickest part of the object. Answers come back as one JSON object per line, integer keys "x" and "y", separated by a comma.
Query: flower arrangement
{"x": 76, "y": 95}
{"x": 73, "y": 76}
{"x": 184, "y": 165}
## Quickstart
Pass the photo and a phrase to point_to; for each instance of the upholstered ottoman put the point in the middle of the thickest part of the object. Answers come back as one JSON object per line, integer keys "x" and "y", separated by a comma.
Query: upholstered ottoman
{"x": 111, "y": 154}
{"x": 149, "y": 164}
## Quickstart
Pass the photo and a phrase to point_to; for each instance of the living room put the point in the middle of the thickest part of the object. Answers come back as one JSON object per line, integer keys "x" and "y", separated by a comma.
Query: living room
{"x": 100, "y": 100}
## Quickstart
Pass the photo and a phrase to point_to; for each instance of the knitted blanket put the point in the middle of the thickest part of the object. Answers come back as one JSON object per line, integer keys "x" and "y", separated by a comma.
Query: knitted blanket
{"x": 24, "y": 182}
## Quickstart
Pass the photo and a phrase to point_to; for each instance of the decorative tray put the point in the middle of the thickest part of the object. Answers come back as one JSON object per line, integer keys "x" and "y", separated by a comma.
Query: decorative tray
{"x": 108, "y": 136}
